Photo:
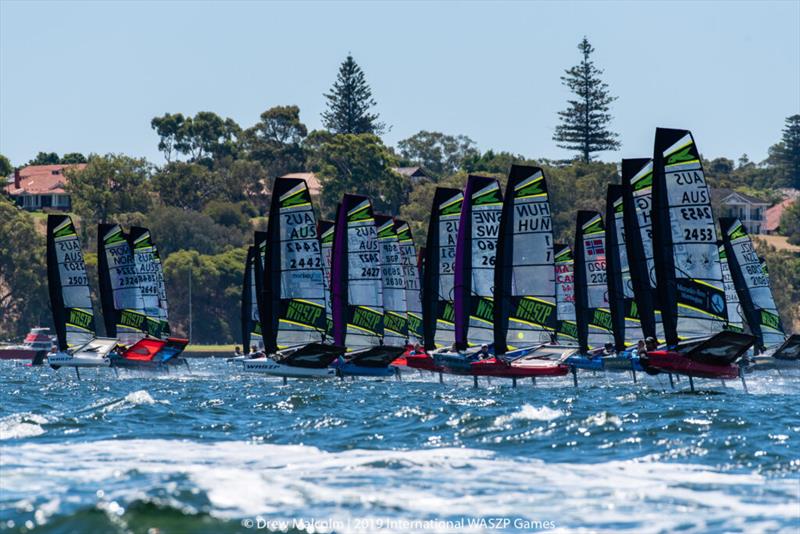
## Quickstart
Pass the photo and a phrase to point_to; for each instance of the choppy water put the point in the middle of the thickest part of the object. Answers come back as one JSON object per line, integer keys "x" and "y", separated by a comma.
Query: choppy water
{"x": 221, "y": 451}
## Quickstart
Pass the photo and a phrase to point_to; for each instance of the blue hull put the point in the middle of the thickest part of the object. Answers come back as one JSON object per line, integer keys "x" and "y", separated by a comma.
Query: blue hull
{"x": 582, "y": 362}
{"x": 350, "y": 369}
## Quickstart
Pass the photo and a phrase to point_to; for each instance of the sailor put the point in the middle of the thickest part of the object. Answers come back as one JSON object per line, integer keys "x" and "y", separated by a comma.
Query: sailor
{"x": 640, "y": 347}
{"x": 608, "y": 349}
{"x": 237, "y": 351}
{"x": 417, "y": 349}
{"x": 483, "y": 353}
{"x": 650, "y": 343}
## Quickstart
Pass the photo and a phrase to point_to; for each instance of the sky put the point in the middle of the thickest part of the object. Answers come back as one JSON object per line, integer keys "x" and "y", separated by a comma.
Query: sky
{"x": 89, "y": 76}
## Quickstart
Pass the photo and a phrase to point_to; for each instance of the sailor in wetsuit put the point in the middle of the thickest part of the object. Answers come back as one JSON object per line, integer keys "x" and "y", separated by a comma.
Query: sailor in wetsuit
{"x": 237, "y": 351}
{"x": 480, "y": 355}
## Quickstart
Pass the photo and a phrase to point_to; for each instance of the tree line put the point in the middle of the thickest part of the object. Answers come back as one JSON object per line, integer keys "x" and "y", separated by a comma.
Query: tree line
{"x": 213, "y": 190}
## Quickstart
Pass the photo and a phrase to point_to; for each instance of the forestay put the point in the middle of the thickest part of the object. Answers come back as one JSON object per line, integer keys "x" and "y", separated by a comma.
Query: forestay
{"x": 356, "y": 285}
{"x": 408, "y": 256}
{"x": 524, "y": 276}
{"x": 438, "y": 275}
{"x": 294, "y": 288}
{"x": 120, "y": 294}
{"x": 68, "y": 283}
{"x": 685, "y": 241}
{"x": 751, "y": 280}
{"x": 592, "y": 312}
{"x": 395, "y": 312}
{"x": 476, "y": 247}
{"x": 567, "y": 328}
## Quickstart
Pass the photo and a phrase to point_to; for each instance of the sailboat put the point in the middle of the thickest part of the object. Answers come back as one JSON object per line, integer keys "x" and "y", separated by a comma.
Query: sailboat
{"x": 592, "y": 312}
{"x": 410, "y": 266}
{"x": 637, "y": 189}
{"x": 252, "y": 288}
{"x": 524, "y": 283}
{"x": 476, "y": 247}
{"x": 292, "y": 302}
{"x": 774, "y": 349}
{"x": 395, "y": 309}
{"x": 161, "y": 347}
{"x": 625, "y": 320}
{"x": 438, "y": 326}
{"x": 687, "y": 265}
{"x": 357, "y": 300}
{"x": 71, "y": 301}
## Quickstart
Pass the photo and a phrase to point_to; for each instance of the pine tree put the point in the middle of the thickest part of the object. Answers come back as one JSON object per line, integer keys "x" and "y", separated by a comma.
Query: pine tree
{"x": 349, "y": 102}
{"x": 584, "y": 124}
{"x": 786, "y": 154}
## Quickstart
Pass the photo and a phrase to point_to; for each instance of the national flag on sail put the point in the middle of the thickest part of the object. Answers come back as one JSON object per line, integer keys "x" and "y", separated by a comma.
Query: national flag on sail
{"x": 595, "y": 247}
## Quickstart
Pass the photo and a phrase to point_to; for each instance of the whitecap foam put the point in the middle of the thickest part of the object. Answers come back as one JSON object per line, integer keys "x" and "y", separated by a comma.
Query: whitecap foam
{"x": 243, "y": 479}
{"x": 529, "y": 413}
{"x": 21, "y": 425}
{"x": 140, "y": 397}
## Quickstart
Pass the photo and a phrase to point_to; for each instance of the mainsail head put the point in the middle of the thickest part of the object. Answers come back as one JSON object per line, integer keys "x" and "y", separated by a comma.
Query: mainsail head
{"x": 751, "y": 280}
{"x": 524, "y": 274}
{"x": 356, "y": 284}
{"x": 439, "y": 259}
{"x": 294, "y": 287}
{"x": 68, "y": 283}
{"x": 687, "y": 263}
{"x": 476, "y": 247}
{"x": 592, "y": 313}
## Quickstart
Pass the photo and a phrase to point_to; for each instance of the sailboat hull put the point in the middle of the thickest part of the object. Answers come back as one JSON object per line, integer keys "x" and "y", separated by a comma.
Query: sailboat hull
{"x": 270, "y": 367}
{"x": 518, "y": 369}
{"x": 681, "y": 364}
{"x": 423, "y": 362}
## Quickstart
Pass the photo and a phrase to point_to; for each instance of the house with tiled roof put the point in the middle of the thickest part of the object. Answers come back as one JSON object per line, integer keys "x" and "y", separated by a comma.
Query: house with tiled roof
{"x": 37, "y": 187}
{"x": 772, "y": 222}
{"x": 747, "y": 208}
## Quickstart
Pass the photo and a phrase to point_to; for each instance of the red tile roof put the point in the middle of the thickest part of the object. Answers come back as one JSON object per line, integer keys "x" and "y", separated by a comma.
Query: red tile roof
{"x": 314, "y": 187}
{"x": 773, "y": 215}
{"x": 41, "y": 179}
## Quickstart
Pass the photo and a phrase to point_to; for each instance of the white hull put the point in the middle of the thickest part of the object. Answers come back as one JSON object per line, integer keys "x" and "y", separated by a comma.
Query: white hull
{"x": 66, "y": 360}
{"x": 270, "y": 367}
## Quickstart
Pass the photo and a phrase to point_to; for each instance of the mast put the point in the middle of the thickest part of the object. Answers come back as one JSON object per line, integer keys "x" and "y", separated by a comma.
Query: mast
{"x": 524, "y": 273}
{"x": 68, "y": 284}
{"x": 592, "y": 313}
{"x": 688, "y": 272}
{"x": 476, "y": 246}
{"x": 438, "y": 315}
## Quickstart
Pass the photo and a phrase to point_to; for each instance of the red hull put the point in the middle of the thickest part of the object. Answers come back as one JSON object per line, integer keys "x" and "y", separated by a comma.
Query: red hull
{"x": 421, "y": 361}
{"x": 527, "y": 369}
{"x": 677, "y": 363}
{"x": 17, "y": 354}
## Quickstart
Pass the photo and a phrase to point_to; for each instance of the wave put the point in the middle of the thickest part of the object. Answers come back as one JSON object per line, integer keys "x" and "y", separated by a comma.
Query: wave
{"x": 22, "y": 425}
{"x": 241, "y": 480}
